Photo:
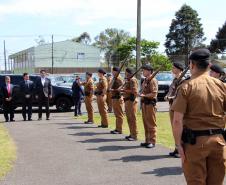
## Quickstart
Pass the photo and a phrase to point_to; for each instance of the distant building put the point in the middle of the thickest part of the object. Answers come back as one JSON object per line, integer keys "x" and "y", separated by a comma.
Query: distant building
{"x": 68, "y": 57}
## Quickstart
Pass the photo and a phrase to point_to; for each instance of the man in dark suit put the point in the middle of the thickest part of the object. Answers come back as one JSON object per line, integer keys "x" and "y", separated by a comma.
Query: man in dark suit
{"x": 77, "y": 94}
{"x": 27, "y": 88}
{"x": 43, "y": 93}
{"x": 7, "y": 92}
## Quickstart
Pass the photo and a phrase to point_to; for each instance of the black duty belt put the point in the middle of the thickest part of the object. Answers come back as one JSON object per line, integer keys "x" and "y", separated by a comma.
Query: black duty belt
{"x": 209, "y": 132}
{"x": 115, "y": 97}
{"x": 189, "y": 136}
{"x": 126, "y": 99}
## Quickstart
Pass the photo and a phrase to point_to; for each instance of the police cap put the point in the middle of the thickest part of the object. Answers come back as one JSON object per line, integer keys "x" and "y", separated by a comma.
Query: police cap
{"x": 88, "y": 73}
{"x": 147, "y": 67}
{"x": 200, "y": 55}
{"x": 129, "y": 70}
{"x": 178, "y": 65}
{"x": 115, "y": 69}
{"x": 216, "y": 68}
{"x": 101, "y": 71}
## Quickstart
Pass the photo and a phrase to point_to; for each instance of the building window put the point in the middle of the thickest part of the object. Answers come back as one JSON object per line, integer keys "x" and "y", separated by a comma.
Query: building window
{"x": 80, "y": 56}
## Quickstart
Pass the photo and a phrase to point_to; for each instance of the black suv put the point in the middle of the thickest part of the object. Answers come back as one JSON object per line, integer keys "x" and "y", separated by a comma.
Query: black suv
{"x": 164, "y": 81}
{"x": 62, "y": 96}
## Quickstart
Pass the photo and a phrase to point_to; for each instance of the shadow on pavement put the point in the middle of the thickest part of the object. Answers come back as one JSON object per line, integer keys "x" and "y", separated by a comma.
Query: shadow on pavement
{"x": 139, "y": 158}
{"x": 77, "y": 127}
{"x": 165, "y": 171}
{"x": 67, "y": 123}
{"x": 99, "y": 140}
{"x": 89, "y": 134}
{"x": 114, "y": 148}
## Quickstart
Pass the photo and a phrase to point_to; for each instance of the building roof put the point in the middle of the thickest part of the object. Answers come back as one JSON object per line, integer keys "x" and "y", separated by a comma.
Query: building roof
{"x": 50, "y": 44}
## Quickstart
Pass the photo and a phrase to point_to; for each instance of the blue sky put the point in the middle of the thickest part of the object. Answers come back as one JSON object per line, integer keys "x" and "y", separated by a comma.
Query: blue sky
{"x": 22, "y": 21}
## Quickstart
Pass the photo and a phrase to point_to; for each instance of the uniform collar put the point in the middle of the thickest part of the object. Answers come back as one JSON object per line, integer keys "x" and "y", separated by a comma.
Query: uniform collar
{"x": 201, "y": 73}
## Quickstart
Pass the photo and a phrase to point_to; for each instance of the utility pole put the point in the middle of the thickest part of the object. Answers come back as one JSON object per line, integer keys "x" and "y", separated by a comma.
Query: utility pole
{"x": 52, "y": 56}
{"x": 5, "y": 57}
{"x": 138, "y": 48}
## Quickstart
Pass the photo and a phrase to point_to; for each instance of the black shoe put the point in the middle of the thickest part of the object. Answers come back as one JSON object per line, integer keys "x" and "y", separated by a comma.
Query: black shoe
{"x": 47, "y": 118}
{"x": 131, "y": 139}
{"x": 29, "y": 119}
{"x": 115, "y": 132}
{"x": 102, "y": 126}
{"x": 150, "y": 145}
{"x": 25, "y": 120}
{"x": 12, "y": 120}
{"x": 6, "y": 120}
{"x": 88, "y": 122}
{"x": 144, "y": 144}
{"x": 127, "y": 137}
{"x": 174, "y": 153}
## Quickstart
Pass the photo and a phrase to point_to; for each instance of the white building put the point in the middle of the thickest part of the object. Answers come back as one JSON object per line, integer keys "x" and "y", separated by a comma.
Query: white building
{"x": 64, "y": 57}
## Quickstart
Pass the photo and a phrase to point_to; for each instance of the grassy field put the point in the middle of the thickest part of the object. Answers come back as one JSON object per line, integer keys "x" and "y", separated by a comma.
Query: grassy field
{"x": 164, "y": 134}
{"x": 7, "y": 151}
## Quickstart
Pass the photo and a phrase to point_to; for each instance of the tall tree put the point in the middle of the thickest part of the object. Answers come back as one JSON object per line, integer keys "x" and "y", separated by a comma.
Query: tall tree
{"x": 185, "y": 32}
{"x": 109, "y": 40}
{"x": 218, "y": 44}
{"x": 83, "y": 38}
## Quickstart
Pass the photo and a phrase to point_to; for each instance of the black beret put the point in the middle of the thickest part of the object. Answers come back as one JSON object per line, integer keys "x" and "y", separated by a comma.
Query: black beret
{"x": 178, "y": 65}
{"x": 216, "y": 68}
{"x": 129, "y": 70}
{"x": 200, "y": 55}
{"x": 147, "y": 67}
{"x": 88, "y": 73}
{"x": 115, "y": 69}
{"x": 101, "y": 71}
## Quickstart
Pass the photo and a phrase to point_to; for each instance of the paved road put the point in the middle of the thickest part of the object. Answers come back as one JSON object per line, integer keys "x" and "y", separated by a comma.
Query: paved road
{"x": 162, "y": 106}
{"x": 63, "y": 151}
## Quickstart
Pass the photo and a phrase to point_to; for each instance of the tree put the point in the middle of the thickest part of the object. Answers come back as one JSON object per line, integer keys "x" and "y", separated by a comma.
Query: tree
{"x": 158, "y": 60}
{"x": 218, "y": 45}
{"x": 108, "y": 41}
{"x": 83, "y": 38}
{"x": 185, "y": 32}
{"x": 148, "y": 48}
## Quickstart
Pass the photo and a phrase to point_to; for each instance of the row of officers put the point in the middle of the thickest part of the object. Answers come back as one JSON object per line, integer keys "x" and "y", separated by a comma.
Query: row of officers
{"x": 119, "y": 95}
{"x": 197, "y": 113}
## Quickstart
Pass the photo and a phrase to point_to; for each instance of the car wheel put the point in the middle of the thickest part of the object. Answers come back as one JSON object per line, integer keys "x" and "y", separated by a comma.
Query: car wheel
{"x": 63, "y": 104}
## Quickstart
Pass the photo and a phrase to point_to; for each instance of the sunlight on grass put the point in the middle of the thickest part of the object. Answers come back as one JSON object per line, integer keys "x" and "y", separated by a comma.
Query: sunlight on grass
{"x": 164, "y": 134}
{"x": 7, "y": 152}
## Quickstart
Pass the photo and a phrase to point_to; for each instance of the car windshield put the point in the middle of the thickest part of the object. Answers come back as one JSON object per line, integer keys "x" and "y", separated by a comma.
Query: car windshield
{"x": 164, "y": 77}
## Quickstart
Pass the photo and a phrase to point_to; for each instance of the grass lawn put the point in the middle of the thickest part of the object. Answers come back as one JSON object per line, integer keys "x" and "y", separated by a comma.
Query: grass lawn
{"x": 7, "y": 152}
{"x": 164, "y": 133}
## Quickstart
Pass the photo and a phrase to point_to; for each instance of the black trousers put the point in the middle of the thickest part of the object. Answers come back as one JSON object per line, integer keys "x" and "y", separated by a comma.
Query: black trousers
{"x": 8, "y": 108}
{"x": 27, "y": 108}
{"x": 43, "y": 101}
{"x": 78, "y": 104}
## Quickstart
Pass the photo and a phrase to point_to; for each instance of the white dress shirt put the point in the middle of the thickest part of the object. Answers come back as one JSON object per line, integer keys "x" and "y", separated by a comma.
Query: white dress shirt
{"x": 43, "y": 81}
